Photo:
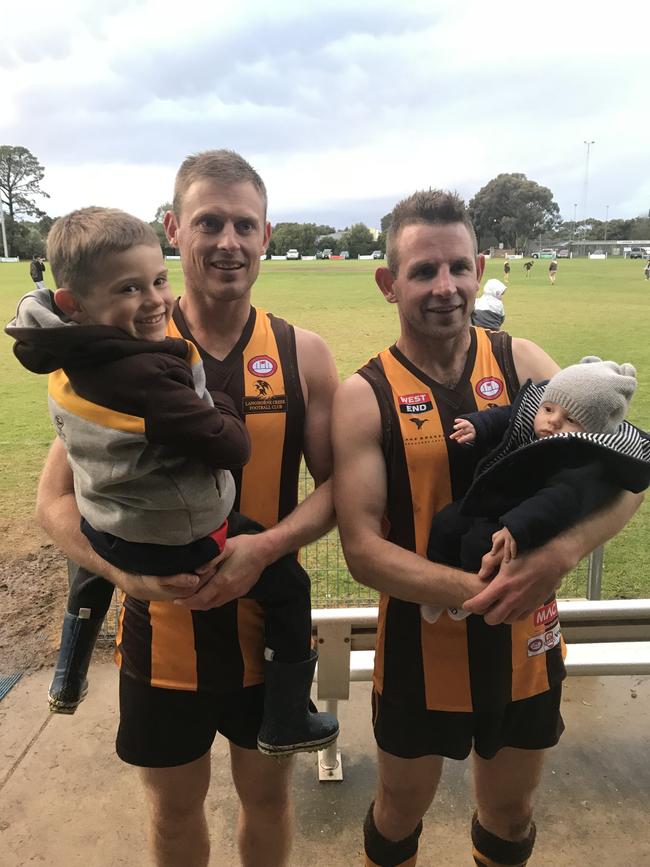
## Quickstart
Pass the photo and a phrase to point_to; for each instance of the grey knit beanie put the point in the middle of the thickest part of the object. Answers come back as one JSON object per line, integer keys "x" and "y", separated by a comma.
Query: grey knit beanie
{"x": 595, "y": 392}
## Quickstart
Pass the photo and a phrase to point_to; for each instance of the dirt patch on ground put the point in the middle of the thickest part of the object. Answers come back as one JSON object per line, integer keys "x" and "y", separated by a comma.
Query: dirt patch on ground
{"x": 33, "y": 590}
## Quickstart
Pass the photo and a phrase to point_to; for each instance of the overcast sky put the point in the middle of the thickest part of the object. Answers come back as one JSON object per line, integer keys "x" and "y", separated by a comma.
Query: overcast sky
{"x": 342, "y": 107}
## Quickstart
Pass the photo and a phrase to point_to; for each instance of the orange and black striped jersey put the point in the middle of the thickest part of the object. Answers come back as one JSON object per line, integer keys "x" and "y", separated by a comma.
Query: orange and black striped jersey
{"x": 222, "y": 649}
{"x": 448, "y": 665}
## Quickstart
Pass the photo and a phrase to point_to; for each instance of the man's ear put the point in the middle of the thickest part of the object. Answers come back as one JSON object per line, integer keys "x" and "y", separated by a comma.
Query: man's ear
{"x": 384, "y": 279}
{"x": 267, "y": 236}
{"x": 65, "y": 301}
{"x": 170, "y": 226}
{"x": 480, "y": 266}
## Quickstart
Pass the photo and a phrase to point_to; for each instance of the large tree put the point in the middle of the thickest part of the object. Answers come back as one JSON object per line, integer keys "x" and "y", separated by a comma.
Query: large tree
{"x": 20, "y": 178}
{"x": 358, "y": 240}
{"x": 512, "y": 209}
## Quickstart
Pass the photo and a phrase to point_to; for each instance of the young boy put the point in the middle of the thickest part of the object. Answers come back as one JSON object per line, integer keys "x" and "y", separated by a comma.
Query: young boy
{"x": 559, "y": 452}
{"x": 151, "y": 450}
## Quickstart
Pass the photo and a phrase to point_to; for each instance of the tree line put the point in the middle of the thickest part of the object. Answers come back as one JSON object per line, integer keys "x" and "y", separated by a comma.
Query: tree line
{"x": 510, "y": 210}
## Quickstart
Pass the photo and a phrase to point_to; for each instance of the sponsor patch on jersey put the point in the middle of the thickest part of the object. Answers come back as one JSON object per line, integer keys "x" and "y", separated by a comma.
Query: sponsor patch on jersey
{"x": 545, "y": 614}
{"x": 544, "y": 643}
{"x": 262, "y": 365}
{"x": 271, "y": 403}
{"x": 489, "y": 388}
{"x": 412, "y": 404}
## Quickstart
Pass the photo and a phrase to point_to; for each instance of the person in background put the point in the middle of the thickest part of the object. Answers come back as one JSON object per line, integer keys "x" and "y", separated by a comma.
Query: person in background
{"x": 489, "y": 311}
{"x": 506, "y": 271}
{"x": 552, "y": 270}
{"x": 36, "y": 271}
{"x": 528, "y": 266}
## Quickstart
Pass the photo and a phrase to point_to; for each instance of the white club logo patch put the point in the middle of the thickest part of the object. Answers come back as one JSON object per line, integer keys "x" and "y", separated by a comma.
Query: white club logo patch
{"x": 262, "y": 365}
{"x": 489, "y": 388}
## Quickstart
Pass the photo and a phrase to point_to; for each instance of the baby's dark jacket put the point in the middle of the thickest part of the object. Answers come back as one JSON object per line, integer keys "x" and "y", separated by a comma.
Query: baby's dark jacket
{"x": 539, "y": 487}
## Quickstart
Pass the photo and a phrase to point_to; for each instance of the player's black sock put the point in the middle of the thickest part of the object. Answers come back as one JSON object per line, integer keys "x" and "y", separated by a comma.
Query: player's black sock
{"x": 492, "y": 851}
{"x": 381, "y": 852}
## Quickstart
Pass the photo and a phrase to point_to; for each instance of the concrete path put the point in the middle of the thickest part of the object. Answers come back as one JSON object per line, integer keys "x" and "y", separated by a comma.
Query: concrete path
{"x": 66, "y": 800}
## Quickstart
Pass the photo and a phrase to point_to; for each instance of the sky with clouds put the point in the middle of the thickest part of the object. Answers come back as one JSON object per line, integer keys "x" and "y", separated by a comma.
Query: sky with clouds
{"x": 342, "y": 107}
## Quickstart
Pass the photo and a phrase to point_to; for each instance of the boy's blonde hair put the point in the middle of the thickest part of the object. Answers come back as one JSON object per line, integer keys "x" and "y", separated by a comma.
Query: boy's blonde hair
{"x": 78, "y": 243}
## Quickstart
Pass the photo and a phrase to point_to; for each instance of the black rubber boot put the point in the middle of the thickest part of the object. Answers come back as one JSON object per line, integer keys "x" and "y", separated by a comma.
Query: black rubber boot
{"x": 289, "y": 726}
{"x": 70, "y": 684}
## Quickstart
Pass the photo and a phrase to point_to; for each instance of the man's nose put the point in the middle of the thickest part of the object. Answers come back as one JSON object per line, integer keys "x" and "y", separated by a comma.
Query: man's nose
{"x": 443, "y": 283}
{"x": 227, "y": 239}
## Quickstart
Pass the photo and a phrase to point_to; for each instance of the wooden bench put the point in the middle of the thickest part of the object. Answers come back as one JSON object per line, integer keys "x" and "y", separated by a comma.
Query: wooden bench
{"x": 603, "y": 638}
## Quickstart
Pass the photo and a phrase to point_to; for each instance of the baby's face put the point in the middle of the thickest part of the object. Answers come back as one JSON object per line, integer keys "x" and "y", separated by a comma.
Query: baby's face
{"x": 552, "y": 419}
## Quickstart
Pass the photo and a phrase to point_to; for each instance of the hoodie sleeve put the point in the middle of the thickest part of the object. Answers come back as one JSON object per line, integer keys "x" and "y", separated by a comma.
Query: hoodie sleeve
{"x": 178, "y": 418}
{"x": 491, "y": 425}
{"x": 568, "y": 497}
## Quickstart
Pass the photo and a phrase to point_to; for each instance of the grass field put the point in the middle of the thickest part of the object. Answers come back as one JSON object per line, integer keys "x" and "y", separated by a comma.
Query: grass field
{"x": 595, "y": 308}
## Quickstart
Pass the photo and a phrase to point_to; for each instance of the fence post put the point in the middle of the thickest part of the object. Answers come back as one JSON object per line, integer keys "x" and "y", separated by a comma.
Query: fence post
{"x": 595, "y": 573}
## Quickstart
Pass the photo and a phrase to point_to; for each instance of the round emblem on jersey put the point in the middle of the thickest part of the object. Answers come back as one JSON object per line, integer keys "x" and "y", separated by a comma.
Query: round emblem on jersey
{"x": 489, "y": 387}
{"x": 262, "y": 365}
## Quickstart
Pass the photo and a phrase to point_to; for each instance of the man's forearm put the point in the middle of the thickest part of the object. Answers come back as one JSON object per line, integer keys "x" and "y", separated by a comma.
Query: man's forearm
{"x": 310, "y": 520}
{"x": 386, "y": 567}
{"x": 601, "y": 526}
{"x": 60, "y": 520}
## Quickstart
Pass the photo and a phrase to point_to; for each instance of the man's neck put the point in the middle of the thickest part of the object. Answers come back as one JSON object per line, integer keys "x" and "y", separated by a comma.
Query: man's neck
{"x": 442, "y": 360}
{"x": 216, "y": 325}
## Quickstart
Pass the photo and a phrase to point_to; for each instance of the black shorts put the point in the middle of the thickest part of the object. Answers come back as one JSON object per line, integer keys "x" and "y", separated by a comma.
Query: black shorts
{"x": 164, "y": 728}
{"x": 530, "y": 724}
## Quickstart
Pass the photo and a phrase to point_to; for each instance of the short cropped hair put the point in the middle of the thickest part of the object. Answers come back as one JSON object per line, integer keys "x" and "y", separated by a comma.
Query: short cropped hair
{"x": 78, "y": 243}
{"x": 431, "y": 207}
{"x": 224, "y": 166}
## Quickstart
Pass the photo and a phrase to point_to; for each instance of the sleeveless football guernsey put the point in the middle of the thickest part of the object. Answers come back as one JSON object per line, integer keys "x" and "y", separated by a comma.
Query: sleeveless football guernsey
{"x": 222, "y": 649}
{"x": 448, "y": 665}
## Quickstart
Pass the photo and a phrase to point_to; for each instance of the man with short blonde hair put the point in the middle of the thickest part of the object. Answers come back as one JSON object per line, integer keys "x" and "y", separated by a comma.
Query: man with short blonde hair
{"x": 196, "y": 666}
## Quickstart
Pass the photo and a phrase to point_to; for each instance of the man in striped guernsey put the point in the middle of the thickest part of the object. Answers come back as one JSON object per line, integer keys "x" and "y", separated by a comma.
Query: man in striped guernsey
{"x": 395, "y": 467}
{"x": 191, "y": 669}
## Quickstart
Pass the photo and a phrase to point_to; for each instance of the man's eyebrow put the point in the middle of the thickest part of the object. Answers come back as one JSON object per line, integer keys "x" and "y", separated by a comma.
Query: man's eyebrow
{"x": 422, "y": 263}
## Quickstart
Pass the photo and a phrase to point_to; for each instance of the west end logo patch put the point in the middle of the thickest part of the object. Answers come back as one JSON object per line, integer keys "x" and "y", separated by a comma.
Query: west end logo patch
{"x": 489, "y": 387}
{"x": 262, "y": 365}
{"x": 412, "y": 404}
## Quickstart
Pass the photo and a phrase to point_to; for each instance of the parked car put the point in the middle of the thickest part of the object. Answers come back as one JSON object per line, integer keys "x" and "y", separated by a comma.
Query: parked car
{"x": 293, "y": 254}
{"x": 344, "y": 254}
{"x": 545, "y": 253}
{"x": 377, "y": 254}
{"x": 637, "y": 253}
{"x": 564, "y": 254}
{"x": 326, "y": 253}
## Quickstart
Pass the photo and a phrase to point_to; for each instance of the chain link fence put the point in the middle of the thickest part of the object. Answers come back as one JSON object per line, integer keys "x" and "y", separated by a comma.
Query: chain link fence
{"x": 334, "y": 587}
